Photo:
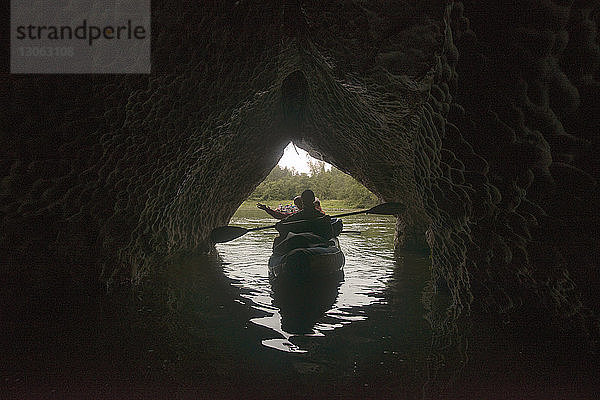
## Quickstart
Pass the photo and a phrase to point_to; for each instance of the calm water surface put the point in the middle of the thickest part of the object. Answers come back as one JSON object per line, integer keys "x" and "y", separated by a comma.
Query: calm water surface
{"x": 365, "y": 336}
{"x": 215, "y": 328}
{"x": 379, "y": 291}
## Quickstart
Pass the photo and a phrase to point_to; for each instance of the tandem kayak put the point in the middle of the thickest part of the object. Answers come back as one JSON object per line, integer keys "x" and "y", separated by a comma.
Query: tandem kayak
{"x": 322, "y": 260}
{"x": 304, "y": 263}
{"x": 305, "y": 256}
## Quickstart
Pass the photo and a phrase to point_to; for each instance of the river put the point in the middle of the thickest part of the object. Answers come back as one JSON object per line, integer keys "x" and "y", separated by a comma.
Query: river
{"x": 211, "y": 327}
{"x": 369, "y": 324}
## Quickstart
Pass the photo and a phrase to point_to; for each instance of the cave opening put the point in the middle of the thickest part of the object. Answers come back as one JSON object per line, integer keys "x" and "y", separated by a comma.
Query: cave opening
{"x": 377, "y": 278}
{"x": 298, "y": 170}
{"x": 376, "y": 282}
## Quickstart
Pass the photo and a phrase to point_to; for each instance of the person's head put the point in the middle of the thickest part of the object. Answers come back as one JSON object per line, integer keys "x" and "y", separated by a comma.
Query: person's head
{"x": 317, "y": 203}
{"x": 308, "y": 198}
{"x": 298, "y": 202}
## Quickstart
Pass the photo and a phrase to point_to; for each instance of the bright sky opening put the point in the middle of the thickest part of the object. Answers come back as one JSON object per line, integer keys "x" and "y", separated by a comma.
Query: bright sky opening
{"x": 297, "y": 160}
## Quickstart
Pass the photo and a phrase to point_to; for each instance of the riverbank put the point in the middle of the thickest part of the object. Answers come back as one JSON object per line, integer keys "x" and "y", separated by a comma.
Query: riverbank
{"x": 328, "y": 206}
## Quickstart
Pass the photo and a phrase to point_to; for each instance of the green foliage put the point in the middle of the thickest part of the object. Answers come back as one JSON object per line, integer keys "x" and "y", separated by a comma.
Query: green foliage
{"x": 284, "y": 183}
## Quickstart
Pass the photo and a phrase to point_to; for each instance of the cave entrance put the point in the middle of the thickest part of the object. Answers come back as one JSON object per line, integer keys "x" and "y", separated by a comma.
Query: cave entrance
{"x": 297, "y": 170}
{"x": 370, "y": 272}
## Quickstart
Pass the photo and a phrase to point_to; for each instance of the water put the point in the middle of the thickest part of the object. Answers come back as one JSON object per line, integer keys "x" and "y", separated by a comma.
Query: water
{"x": 376, "y": 305}
{"x": 212, "y": 327}
{"x": 367, "y": 336}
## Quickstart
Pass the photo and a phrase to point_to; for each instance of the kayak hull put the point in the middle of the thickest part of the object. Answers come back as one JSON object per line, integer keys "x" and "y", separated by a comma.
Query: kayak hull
{"x": 304, "y": 263}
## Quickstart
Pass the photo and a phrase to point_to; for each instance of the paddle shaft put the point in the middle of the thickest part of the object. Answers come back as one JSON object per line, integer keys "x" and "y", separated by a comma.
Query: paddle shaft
{"x": 273, "y": 226}
{"x": 260, "y": 228}
{"x": 333, "y": 216}
{"x": 226, "y": 233}
{"x": 351, "y": 213}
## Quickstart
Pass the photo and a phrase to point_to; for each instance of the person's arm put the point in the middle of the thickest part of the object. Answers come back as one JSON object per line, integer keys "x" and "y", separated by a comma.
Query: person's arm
{"x": 271, "y": 212}
{"x": 276, "y": 214}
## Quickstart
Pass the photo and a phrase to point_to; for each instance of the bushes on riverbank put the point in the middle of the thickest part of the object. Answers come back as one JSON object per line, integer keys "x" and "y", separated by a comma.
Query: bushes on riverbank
{"x": 284, "y": 183}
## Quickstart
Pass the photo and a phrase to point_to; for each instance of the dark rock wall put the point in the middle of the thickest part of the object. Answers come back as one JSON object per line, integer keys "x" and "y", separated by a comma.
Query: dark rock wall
{"x": 518, "y": 94}
{"x": 121, "y": 168}
{"x": 480, "y": 116}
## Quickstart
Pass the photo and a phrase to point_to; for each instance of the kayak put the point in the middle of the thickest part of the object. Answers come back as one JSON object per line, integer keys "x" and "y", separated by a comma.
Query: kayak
{"x": 308, "y": 262}
{"x": 305, "y": 272}
{"x": 304, "y": 255}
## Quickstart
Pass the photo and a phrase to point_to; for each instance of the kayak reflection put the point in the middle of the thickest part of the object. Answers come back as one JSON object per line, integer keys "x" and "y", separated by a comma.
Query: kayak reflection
{"x": 302, "y": 303}
{"x": 368, "y": 267}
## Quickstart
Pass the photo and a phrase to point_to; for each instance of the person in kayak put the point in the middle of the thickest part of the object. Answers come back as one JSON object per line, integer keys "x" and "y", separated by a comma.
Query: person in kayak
{"x": 316, "y": 220}
{"x": 318, "y": 204}
{"x": 280, "y": 214}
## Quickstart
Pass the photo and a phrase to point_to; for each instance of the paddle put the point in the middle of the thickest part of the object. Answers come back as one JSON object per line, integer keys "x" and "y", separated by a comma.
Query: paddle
{"x": 228, "y": 233}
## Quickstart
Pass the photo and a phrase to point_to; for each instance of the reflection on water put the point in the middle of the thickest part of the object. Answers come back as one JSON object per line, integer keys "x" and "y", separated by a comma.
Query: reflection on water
{"x": 191, "y": 334}
{"x": 294, "y": 315}
{"x": 217, "y": 325}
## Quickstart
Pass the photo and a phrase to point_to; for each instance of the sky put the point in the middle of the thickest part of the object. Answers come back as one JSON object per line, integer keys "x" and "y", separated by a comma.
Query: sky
{"x": 297, "y": 160}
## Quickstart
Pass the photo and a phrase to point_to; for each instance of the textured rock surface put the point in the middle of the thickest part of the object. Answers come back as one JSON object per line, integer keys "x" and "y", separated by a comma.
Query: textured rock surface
{"x": 482, "y": 118}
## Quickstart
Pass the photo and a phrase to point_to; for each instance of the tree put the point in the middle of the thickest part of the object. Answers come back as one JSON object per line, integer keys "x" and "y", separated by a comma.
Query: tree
{"x": 284, "y": 184}
{"x": 316, "y": 167}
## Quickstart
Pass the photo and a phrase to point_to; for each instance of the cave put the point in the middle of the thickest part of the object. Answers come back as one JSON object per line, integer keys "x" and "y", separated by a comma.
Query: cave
{"x": 481, "y": 118}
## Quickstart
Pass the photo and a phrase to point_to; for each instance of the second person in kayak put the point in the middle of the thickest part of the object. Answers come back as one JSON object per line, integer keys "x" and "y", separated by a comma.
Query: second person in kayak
{"x": 308, "y": 210}
{"x": 317, "y": 221}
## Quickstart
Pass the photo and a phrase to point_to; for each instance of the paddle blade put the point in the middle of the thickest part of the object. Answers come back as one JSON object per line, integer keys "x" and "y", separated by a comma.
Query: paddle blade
{"x": 224, "y": 234}
{"x": 388, "y": 209}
